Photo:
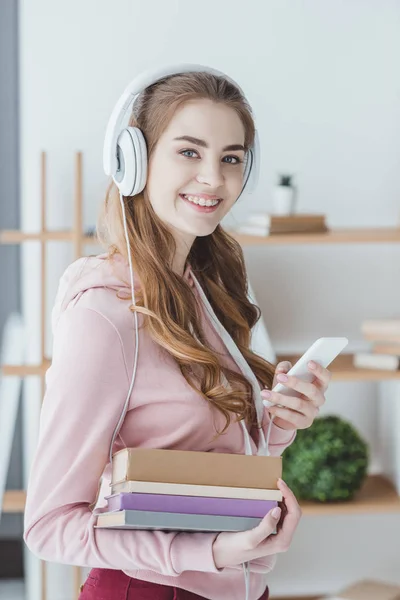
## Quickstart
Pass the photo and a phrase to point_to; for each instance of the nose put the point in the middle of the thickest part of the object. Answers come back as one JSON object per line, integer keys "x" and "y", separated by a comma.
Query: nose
{"x": 210, "y": 173}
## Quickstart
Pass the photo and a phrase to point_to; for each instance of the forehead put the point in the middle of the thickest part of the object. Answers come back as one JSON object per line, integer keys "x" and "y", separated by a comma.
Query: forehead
{"x": 205, "y": 119}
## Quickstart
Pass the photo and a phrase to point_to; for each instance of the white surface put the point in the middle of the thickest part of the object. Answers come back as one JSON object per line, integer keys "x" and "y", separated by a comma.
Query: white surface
{"x": 389, "y": 428}
{"x": 12, "y": 353}
{"x": 325, "y": 83}
{"x": 12, "y": 589}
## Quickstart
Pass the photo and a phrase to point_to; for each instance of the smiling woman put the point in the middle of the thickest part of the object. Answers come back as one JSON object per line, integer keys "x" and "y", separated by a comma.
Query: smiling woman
{"x": 174, "y": 283}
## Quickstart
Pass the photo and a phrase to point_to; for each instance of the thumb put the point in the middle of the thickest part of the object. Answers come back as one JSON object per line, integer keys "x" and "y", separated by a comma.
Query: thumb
{"x": 282, "y": 367}
{"x": 265, "y": 528}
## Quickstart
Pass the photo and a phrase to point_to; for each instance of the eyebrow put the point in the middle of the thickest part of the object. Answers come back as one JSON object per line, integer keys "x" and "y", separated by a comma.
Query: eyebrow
{"x": 203, "y": 143}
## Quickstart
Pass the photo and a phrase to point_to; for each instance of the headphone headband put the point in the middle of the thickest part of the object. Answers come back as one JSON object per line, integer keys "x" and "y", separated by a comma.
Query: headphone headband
{"x": 121, "y": 113}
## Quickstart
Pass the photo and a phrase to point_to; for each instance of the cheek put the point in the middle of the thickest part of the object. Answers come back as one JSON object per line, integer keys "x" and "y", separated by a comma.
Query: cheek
{"x": 235, "y": 182}
{"x": 168, "y": 174}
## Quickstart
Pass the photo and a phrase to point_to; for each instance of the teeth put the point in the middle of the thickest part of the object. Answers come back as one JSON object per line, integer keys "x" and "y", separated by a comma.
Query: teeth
{"x": 201, "y": 201}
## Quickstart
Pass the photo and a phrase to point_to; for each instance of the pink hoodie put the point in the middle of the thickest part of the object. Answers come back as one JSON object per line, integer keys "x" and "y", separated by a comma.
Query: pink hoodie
{"x": 87, "y": 384}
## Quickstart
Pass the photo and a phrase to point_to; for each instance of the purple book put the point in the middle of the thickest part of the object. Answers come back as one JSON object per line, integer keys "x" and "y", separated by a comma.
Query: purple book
{"x": 195, "y": 505}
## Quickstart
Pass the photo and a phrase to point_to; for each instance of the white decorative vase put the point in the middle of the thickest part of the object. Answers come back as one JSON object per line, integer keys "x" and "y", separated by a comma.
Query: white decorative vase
{"x": 284, "y": 197}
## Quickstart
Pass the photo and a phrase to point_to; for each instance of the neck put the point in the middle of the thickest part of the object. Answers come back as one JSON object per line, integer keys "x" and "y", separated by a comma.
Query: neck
{"x": 183, "y": 245}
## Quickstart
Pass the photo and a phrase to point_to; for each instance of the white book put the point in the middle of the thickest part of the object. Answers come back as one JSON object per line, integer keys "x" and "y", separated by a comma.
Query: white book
{"x": 253, "y": 230}
{"x": 181, "y": 489}
{"x": 259, "y": 219}
{"x": 386, "y": 362}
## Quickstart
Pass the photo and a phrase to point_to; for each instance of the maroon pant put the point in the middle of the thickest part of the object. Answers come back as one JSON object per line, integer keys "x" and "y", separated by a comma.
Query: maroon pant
{"x": 107, "y": 584}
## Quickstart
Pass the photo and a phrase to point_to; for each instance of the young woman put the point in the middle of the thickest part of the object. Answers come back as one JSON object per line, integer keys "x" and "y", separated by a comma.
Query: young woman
{"x": 188, "y": 307}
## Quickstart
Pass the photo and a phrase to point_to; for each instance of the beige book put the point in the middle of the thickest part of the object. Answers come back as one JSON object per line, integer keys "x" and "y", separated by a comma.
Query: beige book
{"x": 179, "y": 489}
{"x": 393, "y": 349}
{"x": 382, "y": 338}
{"x": 381, "y": 329}
{"x": 367, "y": 589}
{"x": 196, "y": 468}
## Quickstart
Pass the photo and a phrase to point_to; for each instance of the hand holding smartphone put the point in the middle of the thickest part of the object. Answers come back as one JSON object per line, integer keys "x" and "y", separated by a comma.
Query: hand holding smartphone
{"x": 323, "y": 351}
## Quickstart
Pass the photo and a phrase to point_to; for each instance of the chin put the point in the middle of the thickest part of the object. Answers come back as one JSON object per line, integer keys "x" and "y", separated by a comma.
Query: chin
{"x": 203, "y": 231}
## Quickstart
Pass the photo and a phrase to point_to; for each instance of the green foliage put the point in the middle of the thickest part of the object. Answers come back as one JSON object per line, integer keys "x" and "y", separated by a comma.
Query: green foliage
{"x": 327, "y": 462}
{"x": 285, "y": 180}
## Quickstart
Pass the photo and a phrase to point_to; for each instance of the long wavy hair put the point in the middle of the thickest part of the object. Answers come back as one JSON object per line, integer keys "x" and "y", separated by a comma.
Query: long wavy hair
{"x": 165, "y": 299}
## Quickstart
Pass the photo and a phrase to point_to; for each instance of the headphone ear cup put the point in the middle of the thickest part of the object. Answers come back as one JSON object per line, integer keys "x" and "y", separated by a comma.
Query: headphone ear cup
{"x": 253, "y": 165}
{"x": 131, "y": 175}
{"x": 141, "y": 160}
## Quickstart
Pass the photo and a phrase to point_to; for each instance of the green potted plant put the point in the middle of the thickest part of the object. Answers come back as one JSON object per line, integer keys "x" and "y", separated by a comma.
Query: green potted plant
{"x": 327, "y": 462}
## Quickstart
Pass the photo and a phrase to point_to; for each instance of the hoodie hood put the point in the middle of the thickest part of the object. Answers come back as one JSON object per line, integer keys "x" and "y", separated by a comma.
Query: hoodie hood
{"x": 84, "y": 274}
{"x": 90, "y": 272}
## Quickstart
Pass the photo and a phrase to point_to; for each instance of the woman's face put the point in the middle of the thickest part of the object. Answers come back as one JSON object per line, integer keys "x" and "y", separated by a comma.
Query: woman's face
{"x": 196, "y": 169}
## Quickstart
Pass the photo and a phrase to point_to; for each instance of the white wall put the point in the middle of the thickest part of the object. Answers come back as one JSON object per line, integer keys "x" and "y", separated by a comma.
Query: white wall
{"x": 324, "y": 81}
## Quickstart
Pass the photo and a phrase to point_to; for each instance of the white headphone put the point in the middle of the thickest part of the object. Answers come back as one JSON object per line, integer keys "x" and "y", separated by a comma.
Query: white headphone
{"x": 125, "y": 151}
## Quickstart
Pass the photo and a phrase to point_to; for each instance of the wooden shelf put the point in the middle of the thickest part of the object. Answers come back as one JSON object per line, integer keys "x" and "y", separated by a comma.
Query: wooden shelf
{"x": 14, "y": 501}
{"x": 334, "y": 236}
{"x": 15, "y": 236}
{"x": 376, "y": 496}
{"x": 342, "y": 369}
{"x": 25, "y": 370}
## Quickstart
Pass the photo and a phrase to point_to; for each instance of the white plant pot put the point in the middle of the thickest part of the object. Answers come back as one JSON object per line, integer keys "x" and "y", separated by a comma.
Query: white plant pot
{"x": 283, "y": 200}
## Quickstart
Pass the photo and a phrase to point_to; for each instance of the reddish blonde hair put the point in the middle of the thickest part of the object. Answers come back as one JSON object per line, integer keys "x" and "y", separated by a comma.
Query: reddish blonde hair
{"x": 165, "y": 299}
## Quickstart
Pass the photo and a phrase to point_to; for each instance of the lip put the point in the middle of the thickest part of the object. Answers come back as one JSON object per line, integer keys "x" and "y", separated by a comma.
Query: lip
{"x": 203, "y": 196}
{"x": 197, "y": 207}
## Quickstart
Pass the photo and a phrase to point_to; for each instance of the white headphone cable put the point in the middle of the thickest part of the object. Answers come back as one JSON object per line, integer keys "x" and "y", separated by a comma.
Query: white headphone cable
{"x": 122, "y": 416}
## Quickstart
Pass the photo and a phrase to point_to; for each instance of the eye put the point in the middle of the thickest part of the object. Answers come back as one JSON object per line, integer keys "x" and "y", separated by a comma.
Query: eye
{"x": 233, "y": 160}
{"x": 188, "y": 152}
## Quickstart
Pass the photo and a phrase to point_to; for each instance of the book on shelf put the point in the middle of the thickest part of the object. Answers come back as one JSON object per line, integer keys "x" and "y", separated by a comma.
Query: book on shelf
{"x": 368, "y": 589}
{"x": 381, "y": 330}
{"x": 229, "y": 507}
{"x": 165, "y": 521}
{"x": 196, "y": 468}
{"x": 386, "y": 348}
{"x": 178, "y": 489}
{"x": 269, "y": 224}
{"x": 367, "y": 360}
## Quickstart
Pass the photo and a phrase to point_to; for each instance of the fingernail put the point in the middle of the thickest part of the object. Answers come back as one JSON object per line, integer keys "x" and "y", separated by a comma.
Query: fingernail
{"x": 266, "y": 394}
{"x": 276, "y": 512}
{"x": 280, "y": 480}
{"x": 282, "y": 377}
{"x": 312, "y": 364}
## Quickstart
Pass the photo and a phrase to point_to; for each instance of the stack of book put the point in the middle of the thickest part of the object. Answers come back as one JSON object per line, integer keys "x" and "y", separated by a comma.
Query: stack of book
{"x": 261, "y": 223}
{"x": 384, "y": 335}
{"x": 178, "y": 490}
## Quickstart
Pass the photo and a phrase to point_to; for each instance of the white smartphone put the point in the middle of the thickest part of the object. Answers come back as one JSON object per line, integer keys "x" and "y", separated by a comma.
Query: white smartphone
{"x": 323, "y": 351}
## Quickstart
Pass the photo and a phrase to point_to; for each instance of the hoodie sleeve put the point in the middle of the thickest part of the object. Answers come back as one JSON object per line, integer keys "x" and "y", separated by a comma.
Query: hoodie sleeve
{"x": 279, "y": 438}
{"x": 81, "y": 407}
